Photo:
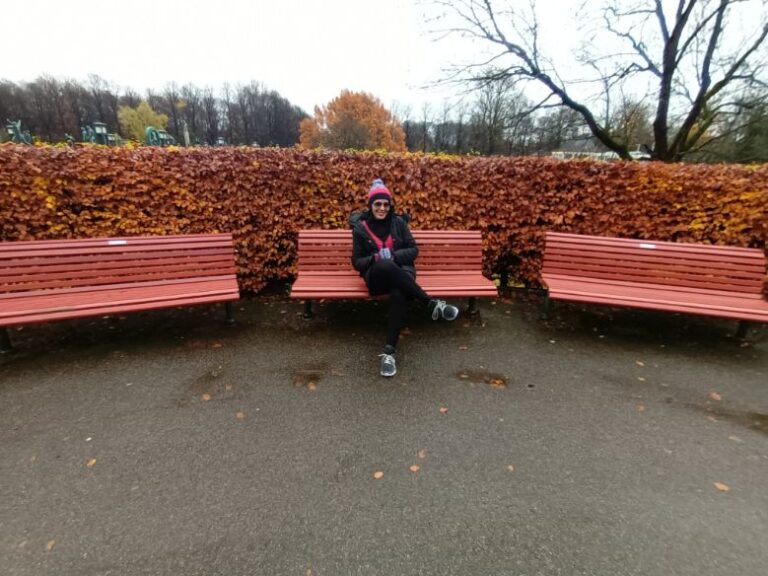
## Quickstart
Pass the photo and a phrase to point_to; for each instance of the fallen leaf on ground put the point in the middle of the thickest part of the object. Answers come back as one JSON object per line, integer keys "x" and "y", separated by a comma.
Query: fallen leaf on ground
{"x": 640, "y": 408}
{"x": 414, "y": 468}
{"x": 715, "y": 396}
{"x": 227, "y": 386}
{"x": 722, "y": 487}
{"x": 91, "y": 462}
{"x": 511, "y": 468}
{"x": 49, "y": 546}
{"x": 205, "y": 397}
{"x": 463, "y": 347}
{"x": 711, "y": 418}
{"x": 239, "y": 415}
{"x": 378, "y": 474}
{"x": 498, "y": 383}
{"x": 641, "y": 379}
{"x": 736, "y": 439}
{"x": 216, "y": 345}
{"x": 311, "y": 385}
{"x": 639, "y": 363}
{"x": 463, "y": 375}
{"x": 443, "y": 410}
{"x": 422, "y": 453}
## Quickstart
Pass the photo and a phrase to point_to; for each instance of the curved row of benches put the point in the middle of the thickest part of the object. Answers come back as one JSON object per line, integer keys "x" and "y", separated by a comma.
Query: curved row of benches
{"x": 48, "y": 280}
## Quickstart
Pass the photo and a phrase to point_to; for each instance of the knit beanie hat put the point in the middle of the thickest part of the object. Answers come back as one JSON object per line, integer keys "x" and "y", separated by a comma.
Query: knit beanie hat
{"x": 378, "y": 191}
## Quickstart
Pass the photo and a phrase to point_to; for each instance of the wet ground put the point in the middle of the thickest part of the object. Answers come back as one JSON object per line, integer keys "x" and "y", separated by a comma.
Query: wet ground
{"x": 603, "y": 441}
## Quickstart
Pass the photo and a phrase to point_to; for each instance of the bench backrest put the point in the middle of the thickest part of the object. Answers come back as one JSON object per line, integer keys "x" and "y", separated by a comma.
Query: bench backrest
{"x": 450, "y": 250}
{"x": 704, "y": 266}
{"x": 51, "y": 264}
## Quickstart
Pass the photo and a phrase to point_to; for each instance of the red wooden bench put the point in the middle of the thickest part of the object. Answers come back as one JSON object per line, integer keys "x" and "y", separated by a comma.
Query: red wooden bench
{"x": 449, "y": 265}
{"x": 721, "y": 281}
{"x": 44, "y": 280}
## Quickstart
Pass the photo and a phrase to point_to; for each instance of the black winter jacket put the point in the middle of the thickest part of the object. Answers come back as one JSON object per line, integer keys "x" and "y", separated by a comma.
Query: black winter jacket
{"x": 364, "y": 248}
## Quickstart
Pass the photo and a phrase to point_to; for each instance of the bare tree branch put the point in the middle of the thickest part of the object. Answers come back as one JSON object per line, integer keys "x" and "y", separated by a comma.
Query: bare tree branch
{"x": 686, "y": 49}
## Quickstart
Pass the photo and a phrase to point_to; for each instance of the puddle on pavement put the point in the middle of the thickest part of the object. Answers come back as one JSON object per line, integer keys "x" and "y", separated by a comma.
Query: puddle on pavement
{"x": 306, "y": 379}
{"x": 494, "y": 380}
{"x": 213, "y": 383}
{"x": 757, "y": 421}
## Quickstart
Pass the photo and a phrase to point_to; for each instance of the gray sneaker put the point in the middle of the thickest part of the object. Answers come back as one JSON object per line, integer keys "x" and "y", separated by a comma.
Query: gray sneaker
{"x": 444, "y": 310}
{"x": 388, "y": 366}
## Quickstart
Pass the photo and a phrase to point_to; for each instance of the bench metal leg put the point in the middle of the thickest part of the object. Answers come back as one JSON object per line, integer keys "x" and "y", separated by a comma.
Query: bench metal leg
{"x": 545, "y": 313}
{"x": 228, "y": 309}
{"x": 472, "y": 309}
{"x": 503, "y": 280}
{"x": 5, "y": 341}
{"x": 741, "y": 332}
{"x": 307, "y": 309}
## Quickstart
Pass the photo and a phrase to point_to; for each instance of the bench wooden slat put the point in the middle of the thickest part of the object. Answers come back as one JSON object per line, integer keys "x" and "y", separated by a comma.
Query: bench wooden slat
{"x": 562, "y": 279}
{"x": 656, "y": 259}
{"x": 659, "y": 297}
{"x": 583, "y": 241}
{"x": 46, "y": 299}
{"x": 86, "y": 244}
{"x": 670, "y": 277}
{"x": 330, "y": 266}
{"x": 129, "y": 267}
{"x": 87, "y": 260}
{"x": 698, "y": 279}
{"x": 136, "y": 306}
{"x": 101, "y": 279}
{"x": 77, "y": 290}
{"x": 68, "y": 248}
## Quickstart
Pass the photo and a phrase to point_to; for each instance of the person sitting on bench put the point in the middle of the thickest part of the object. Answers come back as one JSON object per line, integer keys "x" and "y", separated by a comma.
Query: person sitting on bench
{"x": 383, "y": 252}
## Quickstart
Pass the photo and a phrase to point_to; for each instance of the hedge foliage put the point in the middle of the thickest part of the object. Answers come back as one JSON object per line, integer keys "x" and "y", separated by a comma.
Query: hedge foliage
{"x": 264, "y": 196}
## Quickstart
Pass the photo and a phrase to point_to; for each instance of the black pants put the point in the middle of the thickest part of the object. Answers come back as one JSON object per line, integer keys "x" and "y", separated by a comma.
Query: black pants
{"x": 386, "y": 277}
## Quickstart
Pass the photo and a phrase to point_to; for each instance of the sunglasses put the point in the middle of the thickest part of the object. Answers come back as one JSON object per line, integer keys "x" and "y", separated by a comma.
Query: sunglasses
{"x": 380, "y": 204}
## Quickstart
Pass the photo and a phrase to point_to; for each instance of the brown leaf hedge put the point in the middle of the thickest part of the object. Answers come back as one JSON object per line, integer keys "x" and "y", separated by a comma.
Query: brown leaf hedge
{"x": 265, "y": 196}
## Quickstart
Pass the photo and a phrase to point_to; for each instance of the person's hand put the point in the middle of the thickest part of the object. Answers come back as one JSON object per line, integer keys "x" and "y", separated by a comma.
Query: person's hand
{"x": 385, "y": 254}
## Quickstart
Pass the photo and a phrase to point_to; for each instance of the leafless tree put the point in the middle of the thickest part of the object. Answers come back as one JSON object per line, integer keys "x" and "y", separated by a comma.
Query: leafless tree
{"x": 631, "y": 122}
{"x": 211, "y": 116}
{"x": 426, "y": 123}
{"x": 684, "y": 48}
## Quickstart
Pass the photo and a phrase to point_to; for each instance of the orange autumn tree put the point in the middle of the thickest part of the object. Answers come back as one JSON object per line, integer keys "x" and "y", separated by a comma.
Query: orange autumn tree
{"x": 353, "y": 120}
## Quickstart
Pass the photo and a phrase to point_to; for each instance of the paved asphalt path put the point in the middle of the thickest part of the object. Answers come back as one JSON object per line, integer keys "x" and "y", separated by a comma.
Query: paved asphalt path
{"x": 602, "y": 442}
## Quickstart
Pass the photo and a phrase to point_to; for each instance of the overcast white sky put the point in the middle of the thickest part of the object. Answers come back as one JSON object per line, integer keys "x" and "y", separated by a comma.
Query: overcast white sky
{"x": 307, "y": 50}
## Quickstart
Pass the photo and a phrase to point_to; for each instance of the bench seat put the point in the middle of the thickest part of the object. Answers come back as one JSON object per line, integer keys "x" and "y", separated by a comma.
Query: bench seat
{"x": 44, "y": 307}
{"x": 720, "y": 281}
{"x": 344, "y": 285}
{"x": 449, "y": 265}
{"x": 45, "y": 280}
{"x": 659, "y": 297}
